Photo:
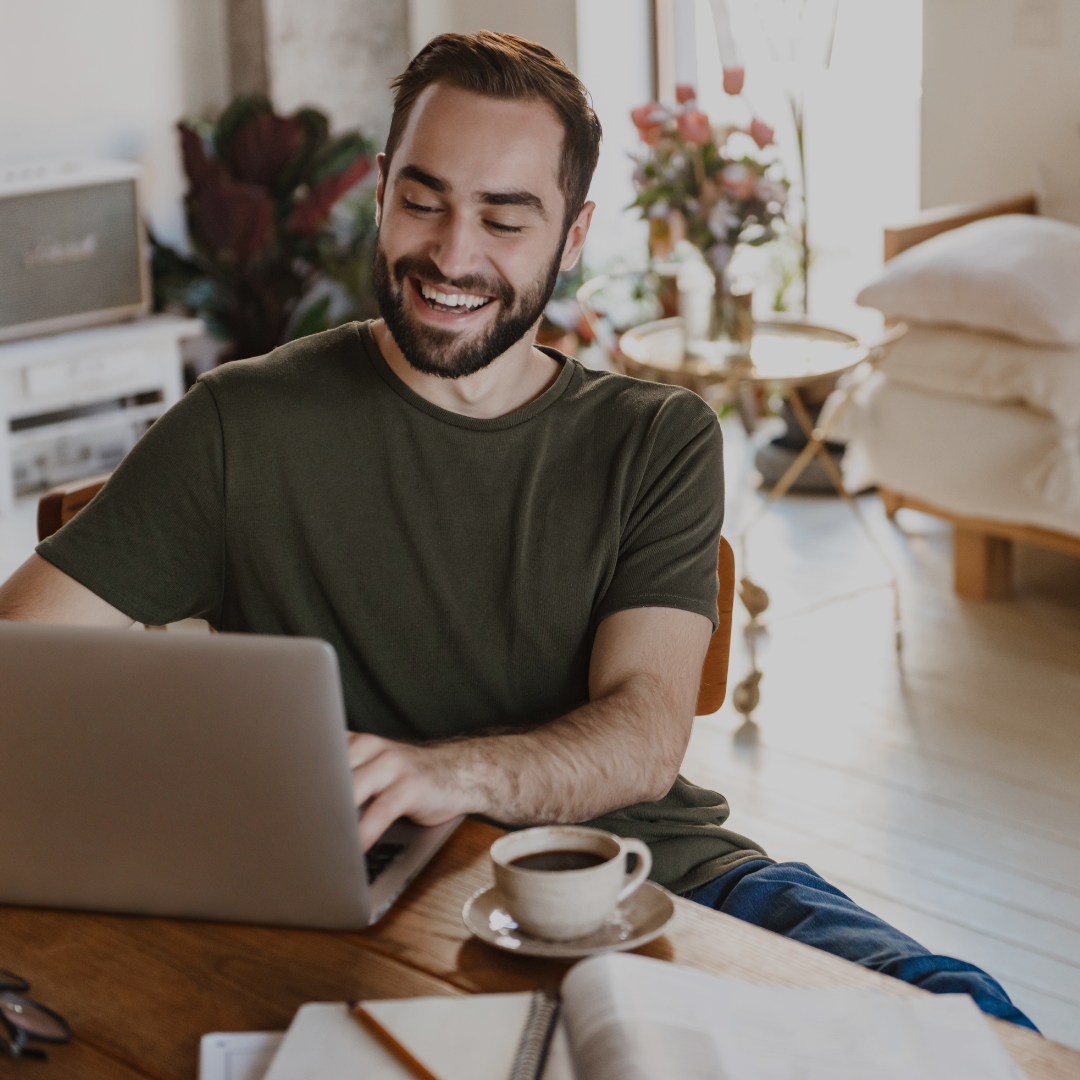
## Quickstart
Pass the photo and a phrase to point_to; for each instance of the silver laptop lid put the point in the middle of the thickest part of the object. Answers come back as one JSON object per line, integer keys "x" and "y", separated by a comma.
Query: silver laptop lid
{"x": 180, "y": 774}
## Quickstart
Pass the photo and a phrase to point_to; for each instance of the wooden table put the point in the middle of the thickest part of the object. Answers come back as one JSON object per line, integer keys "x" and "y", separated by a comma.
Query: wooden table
{"x": 139, "y": 993}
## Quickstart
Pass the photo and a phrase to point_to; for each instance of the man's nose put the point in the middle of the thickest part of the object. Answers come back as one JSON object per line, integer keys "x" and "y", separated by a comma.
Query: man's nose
{"x": 457, "y": 248}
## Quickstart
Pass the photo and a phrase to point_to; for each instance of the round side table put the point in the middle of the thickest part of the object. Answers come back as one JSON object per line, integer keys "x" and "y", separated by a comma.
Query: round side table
{"x": 791, "y": 356}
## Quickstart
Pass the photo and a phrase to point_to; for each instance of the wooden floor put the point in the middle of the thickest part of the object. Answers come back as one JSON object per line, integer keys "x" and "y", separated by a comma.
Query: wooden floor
{"x": 942, "y": 794}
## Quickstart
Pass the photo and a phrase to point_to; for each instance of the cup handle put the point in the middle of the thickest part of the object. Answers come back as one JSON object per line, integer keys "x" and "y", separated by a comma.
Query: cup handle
{"x": 630, "y": 845}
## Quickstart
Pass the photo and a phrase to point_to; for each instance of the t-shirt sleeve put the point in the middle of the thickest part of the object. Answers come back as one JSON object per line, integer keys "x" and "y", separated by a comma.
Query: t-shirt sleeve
{"x": 668, "y": 550}
{"x": 151, "y": 542}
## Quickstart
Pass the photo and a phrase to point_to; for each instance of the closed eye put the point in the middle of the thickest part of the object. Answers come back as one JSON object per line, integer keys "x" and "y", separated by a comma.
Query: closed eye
{"x": 420, "y": 207}
{"x": 498, "y": 226}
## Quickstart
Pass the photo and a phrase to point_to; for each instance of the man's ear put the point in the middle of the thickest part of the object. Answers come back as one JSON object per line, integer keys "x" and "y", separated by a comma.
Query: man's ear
{"x": 575, "y": 238}
{"x": 380, "y": 161}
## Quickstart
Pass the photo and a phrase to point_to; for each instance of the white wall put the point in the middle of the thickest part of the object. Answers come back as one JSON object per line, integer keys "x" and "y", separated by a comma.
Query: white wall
{"x": 1001, "y": 89}
{"x": 550, "y": 22}
{"x": 338, "y": 55}
{"x": 615, "y": 64}
{"x": 110, "y": 78}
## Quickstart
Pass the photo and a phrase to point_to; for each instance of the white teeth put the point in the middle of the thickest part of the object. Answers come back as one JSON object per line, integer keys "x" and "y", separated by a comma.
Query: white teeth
{"x": 466, "y": 300}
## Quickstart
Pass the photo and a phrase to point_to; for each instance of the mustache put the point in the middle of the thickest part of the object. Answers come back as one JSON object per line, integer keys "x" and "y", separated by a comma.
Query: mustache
{"x": 422, "y": 267}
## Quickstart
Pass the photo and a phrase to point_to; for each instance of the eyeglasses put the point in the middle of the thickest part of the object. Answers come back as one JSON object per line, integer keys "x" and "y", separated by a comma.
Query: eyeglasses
{"x": 22, "y": 1019}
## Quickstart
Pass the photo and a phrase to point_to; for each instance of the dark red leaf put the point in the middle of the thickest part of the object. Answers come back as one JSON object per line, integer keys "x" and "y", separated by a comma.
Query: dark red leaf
{"x": 313, "y": 208}
{"x": 234, "y": 220}
{"x": 263, "y": 147}
{"x": 197, "y": 165}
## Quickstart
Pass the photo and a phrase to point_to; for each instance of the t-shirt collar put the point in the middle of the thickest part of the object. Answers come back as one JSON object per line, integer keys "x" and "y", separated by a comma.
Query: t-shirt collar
{"x": 511, "y": 419}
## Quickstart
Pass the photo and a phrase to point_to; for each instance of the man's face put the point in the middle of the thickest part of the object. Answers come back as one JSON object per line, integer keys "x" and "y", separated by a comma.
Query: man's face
{"x": 471, "y": 231}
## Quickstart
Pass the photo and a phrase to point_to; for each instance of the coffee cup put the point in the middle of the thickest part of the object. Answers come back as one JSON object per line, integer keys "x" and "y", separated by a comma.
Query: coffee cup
{"x": 563, "y": 881}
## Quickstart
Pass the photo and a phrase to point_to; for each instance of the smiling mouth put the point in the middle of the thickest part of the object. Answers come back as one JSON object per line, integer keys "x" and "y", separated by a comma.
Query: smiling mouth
{"x": 457, "y": 303}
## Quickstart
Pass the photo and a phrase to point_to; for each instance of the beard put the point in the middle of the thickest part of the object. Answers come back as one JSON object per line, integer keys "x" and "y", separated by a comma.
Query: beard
{"x": 442, "y": 352}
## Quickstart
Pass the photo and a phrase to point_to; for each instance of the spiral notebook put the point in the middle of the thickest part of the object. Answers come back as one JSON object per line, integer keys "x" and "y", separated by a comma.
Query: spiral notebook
{"x": 483, "y": 1037}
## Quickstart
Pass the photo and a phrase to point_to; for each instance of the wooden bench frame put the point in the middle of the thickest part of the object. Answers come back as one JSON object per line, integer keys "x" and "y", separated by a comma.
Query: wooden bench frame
{"x": 982, "y": 549}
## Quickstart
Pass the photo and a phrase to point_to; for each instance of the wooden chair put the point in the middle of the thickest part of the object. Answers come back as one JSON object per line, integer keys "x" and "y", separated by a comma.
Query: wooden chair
{"x": 714, "y": 671}
{"x": 58, "y": 506}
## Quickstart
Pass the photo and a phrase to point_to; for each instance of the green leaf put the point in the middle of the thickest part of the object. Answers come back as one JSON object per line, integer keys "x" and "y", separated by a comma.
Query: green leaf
{"x": 173, "y": 274}
{"x": 241, "y": 111}
{"x": 314, "y": 320}
{"x": 316, "y": 134}
{"x": 337, "y": 155}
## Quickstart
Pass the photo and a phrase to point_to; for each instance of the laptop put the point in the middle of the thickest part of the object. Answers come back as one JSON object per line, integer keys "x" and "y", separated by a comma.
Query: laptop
{"x": 189, "y": 775}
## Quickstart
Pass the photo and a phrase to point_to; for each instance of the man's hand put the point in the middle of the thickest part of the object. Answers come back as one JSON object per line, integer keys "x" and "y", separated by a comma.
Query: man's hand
{"x": 403, "y": 780}
{"x": 624, "y": 747}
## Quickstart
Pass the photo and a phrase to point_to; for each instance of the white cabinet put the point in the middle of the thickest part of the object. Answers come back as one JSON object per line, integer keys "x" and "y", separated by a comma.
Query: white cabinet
{"x": 72, "y": 405}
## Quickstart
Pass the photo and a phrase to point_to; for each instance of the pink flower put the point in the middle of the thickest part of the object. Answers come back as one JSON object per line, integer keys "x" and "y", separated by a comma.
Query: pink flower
{"x": 649, "y": 120}
{"x": 694, "y": 127}
{"x": 734, "y": 77}
{"x": 738, "y": 180}
{"x": 761, "y": 133}
{"x": 641, "y": 115}
{"x": 650, "y": 135}
{"x": 684, "y": 92}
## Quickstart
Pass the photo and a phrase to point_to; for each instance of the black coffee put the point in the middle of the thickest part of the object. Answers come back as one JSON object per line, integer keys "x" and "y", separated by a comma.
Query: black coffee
{"x": 559, "y": 860}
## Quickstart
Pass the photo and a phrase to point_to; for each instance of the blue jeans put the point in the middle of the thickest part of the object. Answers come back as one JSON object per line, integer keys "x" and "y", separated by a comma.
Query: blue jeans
{"x": 791, "y": 899}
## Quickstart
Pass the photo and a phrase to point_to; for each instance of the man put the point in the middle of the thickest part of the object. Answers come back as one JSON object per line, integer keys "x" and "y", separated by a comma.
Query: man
{"x": 514, "y": 557}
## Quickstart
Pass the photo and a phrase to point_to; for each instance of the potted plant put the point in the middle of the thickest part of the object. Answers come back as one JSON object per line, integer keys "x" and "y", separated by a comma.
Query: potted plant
{"x": 269, "y": 228}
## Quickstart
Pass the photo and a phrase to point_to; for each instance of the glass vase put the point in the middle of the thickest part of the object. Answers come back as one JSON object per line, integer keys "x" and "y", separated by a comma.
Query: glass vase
{"x": 733, "y": 318}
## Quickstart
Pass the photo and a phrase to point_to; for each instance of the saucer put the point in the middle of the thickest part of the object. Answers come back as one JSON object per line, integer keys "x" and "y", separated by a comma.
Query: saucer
{"x": 642, "y": 916}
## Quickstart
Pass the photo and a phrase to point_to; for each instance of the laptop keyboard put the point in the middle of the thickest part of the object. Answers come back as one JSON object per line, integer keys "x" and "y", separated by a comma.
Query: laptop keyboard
{"x": 379, "y": 857}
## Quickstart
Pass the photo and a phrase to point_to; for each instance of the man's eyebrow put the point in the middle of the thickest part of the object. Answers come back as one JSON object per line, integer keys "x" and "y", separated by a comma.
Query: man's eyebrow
{"x": 412, "y": 172}
{"x": 487, "y": 198}
{"x": 513, "y": 198}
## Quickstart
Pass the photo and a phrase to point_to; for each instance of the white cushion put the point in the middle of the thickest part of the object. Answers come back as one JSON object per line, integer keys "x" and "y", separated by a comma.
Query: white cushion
{"x": 989, "y": 368}
{"x": 1016, "y": 274}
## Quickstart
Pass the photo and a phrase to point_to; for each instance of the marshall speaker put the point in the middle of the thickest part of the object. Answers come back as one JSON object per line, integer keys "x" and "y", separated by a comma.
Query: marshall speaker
{"x": 72, "y": 250}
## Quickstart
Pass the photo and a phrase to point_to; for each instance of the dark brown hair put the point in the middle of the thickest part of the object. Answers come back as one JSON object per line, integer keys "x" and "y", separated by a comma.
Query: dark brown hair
{"x": 509, "y": 67}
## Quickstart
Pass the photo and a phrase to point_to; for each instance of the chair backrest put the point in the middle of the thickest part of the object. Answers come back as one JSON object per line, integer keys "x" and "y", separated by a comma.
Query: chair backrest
{"x": 58, "y": 506}
{"x": 714, "y": 671}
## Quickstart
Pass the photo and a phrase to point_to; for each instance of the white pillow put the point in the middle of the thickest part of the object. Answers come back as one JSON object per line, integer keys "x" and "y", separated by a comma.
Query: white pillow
{"x": 988, "y": 368}
{"x": 1016, "y": 274}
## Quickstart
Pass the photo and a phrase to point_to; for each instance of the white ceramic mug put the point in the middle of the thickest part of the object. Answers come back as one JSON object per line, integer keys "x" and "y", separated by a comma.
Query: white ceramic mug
{"x": 564, "y": 904}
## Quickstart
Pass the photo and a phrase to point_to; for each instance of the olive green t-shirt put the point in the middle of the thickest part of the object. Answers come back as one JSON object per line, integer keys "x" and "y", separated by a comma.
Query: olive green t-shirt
{"x": 459, "y": 566}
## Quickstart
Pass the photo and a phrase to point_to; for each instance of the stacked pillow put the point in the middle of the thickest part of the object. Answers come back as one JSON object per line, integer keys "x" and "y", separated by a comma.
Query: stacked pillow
{"x": 994, "y": 309}
{"x": 1016, "y": 274}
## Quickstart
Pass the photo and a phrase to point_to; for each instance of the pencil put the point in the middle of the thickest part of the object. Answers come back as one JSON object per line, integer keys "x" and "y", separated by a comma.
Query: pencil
{"x": 388, "y": 1042}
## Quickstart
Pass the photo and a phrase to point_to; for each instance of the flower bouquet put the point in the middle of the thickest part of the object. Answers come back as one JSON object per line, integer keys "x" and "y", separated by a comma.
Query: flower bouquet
{"x": 692, "y": 186}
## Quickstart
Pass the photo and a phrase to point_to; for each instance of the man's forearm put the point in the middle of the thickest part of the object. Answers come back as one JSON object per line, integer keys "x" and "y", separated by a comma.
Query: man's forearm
{"x": 623, "y": 749}
{"x": 39, "y": 592}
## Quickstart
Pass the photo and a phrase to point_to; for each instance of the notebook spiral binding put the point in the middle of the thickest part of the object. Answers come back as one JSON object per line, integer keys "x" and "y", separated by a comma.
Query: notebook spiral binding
{"x": 536, "y": 1038}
